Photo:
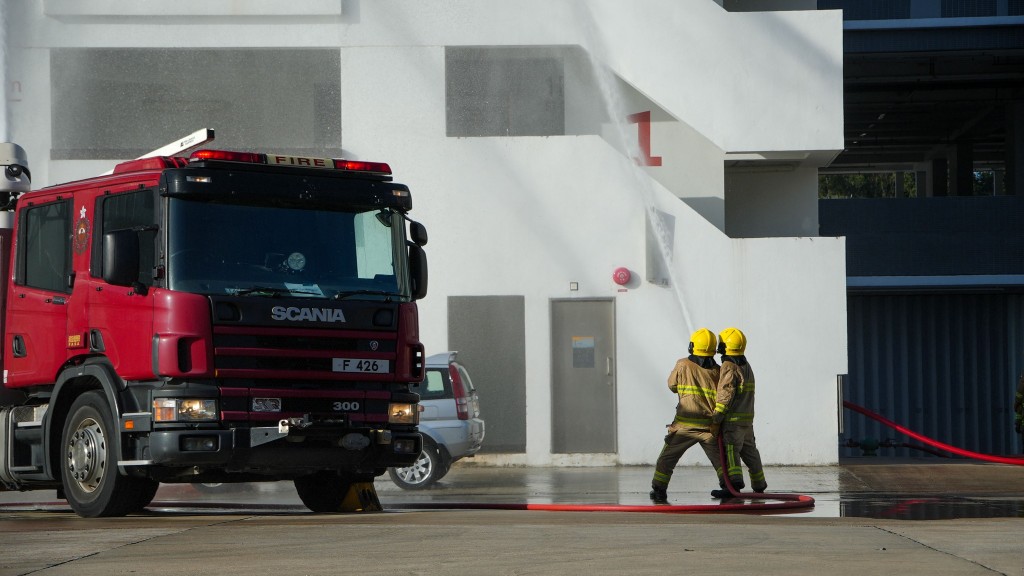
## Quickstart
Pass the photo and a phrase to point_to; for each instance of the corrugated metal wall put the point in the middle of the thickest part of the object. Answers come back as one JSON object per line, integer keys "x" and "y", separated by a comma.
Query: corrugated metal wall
{"x": 943, "y": 365}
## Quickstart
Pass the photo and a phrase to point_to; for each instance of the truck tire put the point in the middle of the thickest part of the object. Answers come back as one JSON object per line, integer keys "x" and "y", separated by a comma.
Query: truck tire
{"x": 323, "y": 491}
{"x": 88, "y": 463}
{"x": 424, "y": 472}
{"x": 145, "y": 490}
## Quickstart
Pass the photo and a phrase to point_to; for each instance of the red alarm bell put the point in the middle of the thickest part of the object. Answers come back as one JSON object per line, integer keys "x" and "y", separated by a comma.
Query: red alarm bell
{"x": 621, "y": 276}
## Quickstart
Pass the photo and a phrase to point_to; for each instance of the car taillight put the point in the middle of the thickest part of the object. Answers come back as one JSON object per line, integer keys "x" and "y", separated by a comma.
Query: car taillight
{"x": 461, "y": 395}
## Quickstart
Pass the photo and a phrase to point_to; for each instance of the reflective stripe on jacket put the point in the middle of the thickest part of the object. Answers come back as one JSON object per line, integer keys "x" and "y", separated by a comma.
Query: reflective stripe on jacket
{"x": 696, "y": 388}
{"x": 740, "y": 382}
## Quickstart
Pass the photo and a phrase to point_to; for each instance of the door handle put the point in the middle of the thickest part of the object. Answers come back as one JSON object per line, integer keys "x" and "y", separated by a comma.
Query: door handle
{"x": 608, "y": 365}
{"x": 18, "y": 347}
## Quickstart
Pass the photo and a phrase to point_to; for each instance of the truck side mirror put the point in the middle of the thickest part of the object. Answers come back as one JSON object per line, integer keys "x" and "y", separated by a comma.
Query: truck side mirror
{"x": 121, "y": 257}
{"x": 418, "y": 233}
{"x": 418, "y": 271}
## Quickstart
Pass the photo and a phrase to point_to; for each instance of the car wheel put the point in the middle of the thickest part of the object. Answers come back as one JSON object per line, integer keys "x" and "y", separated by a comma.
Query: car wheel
{"x": 209, "y": 487}
{"x": 91, "y": 482}
{"x": 422, "y": 473}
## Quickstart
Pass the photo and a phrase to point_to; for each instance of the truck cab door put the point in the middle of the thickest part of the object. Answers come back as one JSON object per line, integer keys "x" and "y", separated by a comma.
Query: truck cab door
{"x": 36, "y": 336}
{"x": 119, "y": 324}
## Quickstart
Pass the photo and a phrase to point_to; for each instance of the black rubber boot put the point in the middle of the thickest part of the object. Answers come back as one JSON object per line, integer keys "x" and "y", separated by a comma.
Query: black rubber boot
{"x": 659, "y": 495}
{"x": 721, "y": 494}
{"x": 760, "y": 487}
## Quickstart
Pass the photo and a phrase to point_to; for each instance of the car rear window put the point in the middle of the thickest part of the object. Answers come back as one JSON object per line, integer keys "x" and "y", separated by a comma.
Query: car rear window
{"x": 435, "y": 385}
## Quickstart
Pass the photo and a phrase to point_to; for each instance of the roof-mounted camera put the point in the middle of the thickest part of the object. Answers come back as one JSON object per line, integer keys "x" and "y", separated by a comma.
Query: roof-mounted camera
{"x": 15, "y": 177}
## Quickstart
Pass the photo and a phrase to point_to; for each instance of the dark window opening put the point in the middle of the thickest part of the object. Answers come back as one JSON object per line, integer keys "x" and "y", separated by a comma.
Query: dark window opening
{"x": 122, "y": 103}
{"x": 501, "y": 91}
{"x": 133, "y": 210}
{"x": 44, "y": 250}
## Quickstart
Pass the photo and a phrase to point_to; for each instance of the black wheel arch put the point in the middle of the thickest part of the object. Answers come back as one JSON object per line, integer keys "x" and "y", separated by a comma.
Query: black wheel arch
{"x": 442, "y": 451}
{"x": 93, "y": 374}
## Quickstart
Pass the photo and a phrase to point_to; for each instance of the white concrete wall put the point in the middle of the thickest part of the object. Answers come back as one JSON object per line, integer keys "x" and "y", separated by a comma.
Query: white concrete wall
{"x": 527, "y": 216}
{"x": 758, "y": 81}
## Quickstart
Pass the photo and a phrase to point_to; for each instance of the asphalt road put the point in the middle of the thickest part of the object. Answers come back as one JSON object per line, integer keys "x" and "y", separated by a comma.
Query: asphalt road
{"x": 263, "y": 529}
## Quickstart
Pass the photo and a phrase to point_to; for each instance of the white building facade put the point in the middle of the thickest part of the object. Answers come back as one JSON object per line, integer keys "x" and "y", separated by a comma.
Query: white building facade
{"x": 547, "y": 144}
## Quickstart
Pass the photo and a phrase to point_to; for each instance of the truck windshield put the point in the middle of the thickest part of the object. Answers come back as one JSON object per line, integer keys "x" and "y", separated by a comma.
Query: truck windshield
{"x": 216, "y": 248}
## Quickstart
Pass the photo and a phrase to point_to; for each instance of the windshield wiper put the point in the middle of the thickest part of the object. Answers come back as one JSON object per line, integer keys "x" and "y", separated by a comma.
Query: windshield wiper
{"x": 346, "y": 293}
{"x": 258, "y": 291}
{"x": 272, "y": 292}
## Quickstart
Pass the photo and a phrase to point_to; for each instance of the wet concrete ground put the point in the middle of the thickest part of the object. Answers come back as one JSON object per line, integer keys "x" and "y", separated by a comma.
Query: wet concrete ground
{"x": 907, "y": 489}
{"x": 870, "y": 517}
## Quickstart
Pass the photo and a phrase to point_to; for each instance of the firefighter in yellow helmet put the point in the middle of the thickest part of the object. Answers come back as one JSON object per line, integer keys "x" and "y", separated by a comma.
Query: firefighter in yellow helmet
{"x": 694, "y": 380}
{"x": 736, "y": 385}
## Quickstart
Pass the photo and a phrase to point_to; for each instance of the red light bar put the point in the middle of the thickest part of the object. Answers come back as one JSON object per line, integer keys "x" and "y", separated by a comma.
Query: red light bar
{"x": 250, "y": 157}
{"x": 299, "y": 161}
{"x": 360, "y": 166}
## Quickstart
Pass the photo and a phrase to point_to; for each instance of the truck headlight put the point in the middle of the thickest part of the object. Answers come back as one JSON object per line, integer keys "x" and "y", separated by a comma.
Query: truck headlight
{"x": 185, "y": 410}
{"x": 403, "y": 413}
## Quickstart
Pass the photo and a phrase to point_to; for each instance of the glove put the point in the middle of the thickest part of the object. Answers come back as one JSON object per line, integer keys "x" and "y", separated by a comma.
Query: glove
{"x": 718, "y": 417}
{"x": 716, "y": 427}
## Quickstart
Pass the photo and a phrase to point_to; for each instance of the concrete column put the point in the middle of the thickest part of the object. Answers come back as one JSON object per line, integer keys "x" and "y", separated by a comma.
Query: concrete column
{"x": 921, "y": 180}
{"x": 1015, "y": 148}
{"x": 961, "y": 168}
{"x": 898, "y": 180}
{"x": 4, "y": 136}
{"x": 938, "y": 184}
{"x": 997, "y": 182}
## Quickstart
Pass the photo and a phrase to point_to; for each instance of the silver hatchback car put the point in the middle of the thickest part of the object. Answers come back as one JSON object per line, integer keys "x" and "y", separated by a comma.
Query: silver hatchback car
{"x": 450, "y": 422}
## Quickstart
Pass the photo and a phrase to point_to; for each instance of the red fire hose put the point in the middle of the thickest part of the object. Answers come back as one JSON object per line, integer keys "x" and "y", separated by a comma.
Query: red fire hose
{"x": 785, "y": 502}
{"x": 1012, "y": 460}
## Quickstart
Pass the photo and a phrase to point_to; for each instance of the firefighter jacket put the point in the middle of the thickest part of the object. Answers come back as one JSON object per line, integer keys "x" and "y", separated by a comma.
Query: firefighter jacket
{"x": 696, "y": 387}
{"x": 736, "y": 391}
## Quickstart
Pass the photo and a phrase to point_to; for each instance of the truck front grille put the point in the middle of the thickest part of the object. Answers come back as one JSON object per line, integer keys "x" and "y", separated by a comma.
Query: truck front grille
{"x": 294, "y": 353}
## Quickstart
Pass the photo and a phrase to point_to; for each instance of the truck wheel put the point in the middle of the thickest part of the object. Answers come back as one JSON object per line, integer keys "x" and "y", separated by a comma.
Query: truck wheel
{"x": 145, "y": 490}
{"x": 426, "y": 470}
{"x": 89, "y": 473}
{"x": 323, "y": 491}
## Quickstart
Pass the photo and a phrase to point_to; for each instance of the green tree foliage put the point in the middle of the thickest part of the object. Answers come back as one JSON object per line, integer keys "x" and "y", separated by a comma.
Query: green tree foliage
{"x": 865, "y": 185}
{"x": 883, "y": 185}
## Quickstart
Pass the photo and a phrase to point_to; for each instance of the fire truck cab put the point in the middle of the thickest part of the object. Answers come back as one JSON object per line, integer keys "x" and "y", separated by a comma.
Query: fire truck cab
{"x": 221, "y": 317}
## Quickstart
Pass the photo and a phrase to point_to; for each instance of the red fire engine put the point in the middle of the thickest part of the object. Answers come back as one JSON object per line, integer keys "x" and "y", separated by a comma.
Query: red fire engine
{"x": 221, "y": 317}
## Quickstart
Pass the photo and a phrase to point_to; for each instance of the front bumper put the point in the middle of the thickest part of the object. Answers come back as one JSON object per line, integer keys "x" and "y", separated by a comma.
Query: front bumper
{"x": 270, "y": 451}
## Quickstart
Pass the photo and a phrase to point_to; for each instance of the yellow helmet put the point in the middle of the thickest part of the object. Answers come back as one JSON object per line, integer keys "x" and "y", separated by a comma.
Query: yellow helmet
{"x": 702, "y": 343}
{"x": 732, "y": 342}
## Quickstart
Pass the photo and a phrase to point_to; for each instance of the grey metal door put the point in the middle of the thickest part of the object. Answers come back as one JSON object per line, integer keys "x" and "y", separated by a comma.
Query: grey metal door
{"x": 583, "y": 418}
{"x": 489, "y": 333}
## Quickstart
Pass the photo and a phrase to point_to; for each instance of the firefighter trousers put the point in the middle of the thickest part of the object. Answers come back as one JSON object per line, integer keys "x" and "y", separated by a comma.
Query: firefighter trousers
{"x": 740, "y": 445}
{"x": 676, "y": 444}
